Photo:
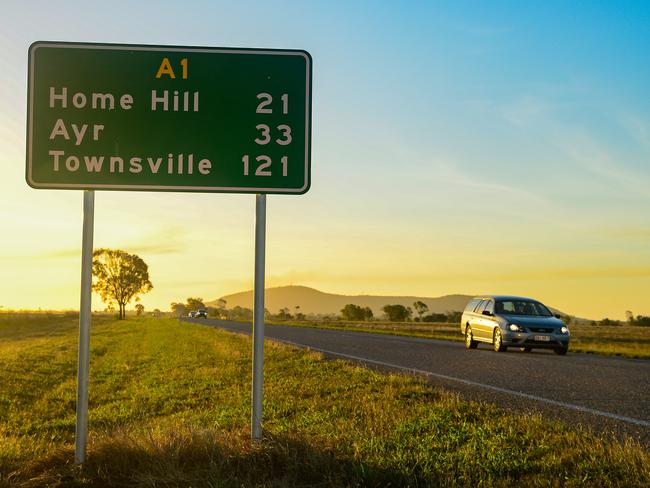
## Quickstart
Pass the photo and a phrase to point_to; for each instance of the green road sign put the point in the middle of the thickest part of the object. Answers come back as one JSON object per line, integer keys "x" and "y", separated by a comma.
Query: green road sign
{"x": 165, "y": 118}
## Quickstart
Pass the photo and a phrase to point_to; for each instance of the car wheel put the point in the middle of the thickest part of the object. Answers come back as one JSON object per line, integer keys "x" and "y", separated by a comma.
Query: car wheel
{"x": 470, "y": 343}
{"x": 560, "y": 350}
{"x": 497, "y": 341}
{"x": 525, "y": 349}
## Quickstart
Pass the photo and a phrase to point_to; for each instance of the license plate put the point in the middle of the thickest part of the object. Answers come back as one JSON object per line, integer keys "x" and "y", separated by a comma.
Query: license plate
{"x": 542, "y": 338}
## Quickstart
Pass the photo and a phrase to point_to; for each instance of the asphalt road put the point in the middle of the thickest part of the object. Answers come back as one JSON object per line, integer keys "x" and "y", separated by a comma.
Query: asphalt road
{"x": 600, "y": 393}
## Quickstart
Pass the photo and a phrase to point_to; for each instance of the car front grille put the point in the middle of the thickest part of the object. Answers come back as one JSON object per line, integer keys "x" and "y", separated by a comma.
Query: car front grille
{"x": 543, "y": 330}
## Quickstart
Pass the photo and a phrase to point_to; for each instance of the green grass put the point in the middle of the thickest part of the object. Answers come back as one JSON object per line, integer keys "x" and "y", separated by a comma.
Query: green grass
{"x": 170, "y": 406}
{"x": 624, "y": 341}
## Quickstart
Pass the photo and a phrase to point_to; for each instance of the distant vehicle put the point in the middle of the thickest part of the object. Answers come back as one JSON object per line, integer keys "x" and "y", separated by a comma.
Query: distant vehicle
{"x": 202, "y": 314}
{"x": 508, "y": 321}
{"x": 192, "y": 315}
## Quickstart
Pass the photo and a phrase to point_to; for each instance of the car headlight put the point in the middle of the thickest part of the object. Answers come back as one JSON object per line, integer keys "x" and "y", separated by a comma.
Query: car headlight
{"x": 564, "y": 330}
{"x": 516, "y": 328}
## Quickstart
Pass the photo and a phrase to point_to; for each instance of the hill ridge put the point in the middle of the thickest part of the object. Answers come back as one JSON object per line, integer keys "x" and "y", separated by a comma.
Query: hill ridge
{"x": 313, "y": 301}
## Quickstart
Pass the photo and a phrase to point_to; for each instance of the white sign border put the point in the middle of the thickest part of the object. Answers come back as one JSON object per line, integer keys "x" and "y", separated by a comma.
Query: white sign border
{"x": 140, "y": 47}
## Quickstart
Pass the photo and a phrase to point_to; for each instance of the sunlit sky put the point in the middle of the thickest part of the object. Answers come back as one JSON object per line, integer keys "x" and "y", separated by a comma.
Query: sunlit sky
{"x": 458, "y": 147}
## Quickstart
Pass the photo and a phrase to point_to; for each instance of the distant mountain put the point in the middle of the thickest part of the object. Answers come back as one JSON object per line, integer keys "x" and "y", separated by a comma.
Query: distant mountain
{"x": 317, "y": 302}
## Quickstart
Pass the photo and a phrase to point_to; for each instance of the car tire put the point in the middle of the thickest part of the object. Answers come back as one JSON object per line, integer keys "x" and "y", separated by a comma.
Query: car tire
{"x": 497, "y": 341}
{"x": 560, "y": 351}
{"x": 470, "y": 343}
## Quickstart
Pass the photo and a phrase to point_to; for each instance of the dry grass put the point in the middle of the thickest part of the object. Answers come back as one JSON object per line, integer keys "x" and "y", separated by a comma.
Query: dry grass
{"x": 625, "y": 340}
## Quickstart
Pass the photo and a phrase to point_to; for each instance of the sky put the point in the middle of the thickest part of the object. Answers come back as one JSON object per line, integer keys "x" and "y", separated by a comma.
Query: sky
{"x": 457, "y": 147}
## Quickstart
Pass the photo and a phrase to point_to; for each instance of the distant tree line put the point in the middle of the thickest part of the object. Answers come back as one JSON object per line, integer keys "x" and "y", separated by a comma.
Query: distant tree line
{"x": 638, "y": 320}
{"x": 630, "y": 319}
{"x": 220, "y": 311}
{"x": 193, "y": 304}
{"x": 190, "y": 305}
{"x": 350, "y": 312}
{"x": 398, "y": 313}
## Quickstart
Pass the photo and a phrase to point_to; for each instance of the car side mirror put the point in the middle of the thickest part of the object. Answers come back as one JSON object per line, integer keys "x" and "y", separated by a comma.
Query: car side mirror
{"x": 487, "y": 312}
{"x": 557, "y": 316}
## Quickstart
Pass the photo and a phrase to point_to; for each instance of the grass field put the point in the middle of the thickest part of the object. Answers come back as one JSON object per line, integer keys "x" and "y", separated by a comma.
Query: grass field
{"x": 624, "y": 341}
{"x": 170, "y": 406}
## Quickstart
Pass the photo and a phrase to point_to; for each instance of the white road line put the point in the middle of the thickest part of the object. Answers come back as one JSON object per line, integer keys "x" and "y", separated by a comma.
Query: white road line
{"x": 528, "y": 396}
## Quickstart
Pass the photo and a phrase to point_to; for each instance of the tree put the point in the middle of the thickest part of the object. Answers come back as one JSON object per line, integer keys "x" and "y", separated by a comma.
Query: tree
{"x": 120, "y": 277}
{"x": 608, "y": 322}
{"x": 195, "y": 303}
{"x": 435, "y": 317}
{"x": 367, "y": 313}
{"x": 453, "y": 316}
{"x": 352, "y": 312}
{"x": 139, "y": 309}
{"x": 356, "y": 313}
{"x": 284, "y": 314}
{"x": 397, "y": 313}
{"x": 219, "y": 311}
{"x": 421, "y": 308}
{"x": 642, "y": 321}
{"x": 179, "y": 309}
{"x": 629, "y": 316}
{"x": 240, "y": 313}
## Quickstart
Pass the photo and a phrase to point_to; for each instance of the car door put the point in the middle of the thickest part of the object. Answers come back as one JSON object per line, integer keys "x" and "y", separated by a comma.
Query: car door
{"x": 468, "y": 313}
{"x": 478, "y": 324}
{"x": 489, "y": 321}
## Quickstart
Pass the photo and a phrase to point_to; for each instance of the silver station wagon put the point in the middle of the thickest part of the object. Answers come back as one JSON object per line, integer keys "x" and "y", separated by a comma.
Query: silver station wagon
{"x": 506, "y": 321}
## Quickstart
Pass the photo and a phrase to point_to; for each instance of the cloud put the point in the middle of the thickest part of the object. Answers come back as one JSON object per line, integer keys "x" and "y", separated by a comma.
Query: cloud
{"x": 632, "y": 234}
{"x": 155, "y": 248}
{"x": 578, "y": 143}
{"x": 450, "y": 174}
{"x": 586, "y": 272}
{"x": 527, "y": 110}
{"x": 638, "y": 128}
{"x": 47, "y": 255}
{"x": 167, "y": 239}
{"x": 593, "y": 157}
{"x": 61, "y": 254}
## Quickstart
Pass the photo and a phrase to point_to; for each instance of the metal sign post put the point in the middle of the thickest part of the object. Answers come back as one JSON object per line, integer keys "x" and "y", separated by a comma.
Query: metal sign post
{"x": 258, "y": 318}
{"x": 81, "y": 431}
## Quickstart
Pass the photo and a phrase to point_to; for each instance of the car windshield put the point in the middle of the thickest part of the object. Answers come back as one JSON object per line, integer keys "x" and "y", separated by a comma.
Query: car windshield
{"x": 522, "y": 307}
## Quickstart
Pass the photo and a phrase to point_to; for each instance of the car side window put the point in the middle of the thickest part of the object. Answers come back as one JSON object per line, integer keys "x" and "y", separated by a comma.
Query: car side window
{"x": 481, "y": 307}
{"x": 490, "y": 306}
